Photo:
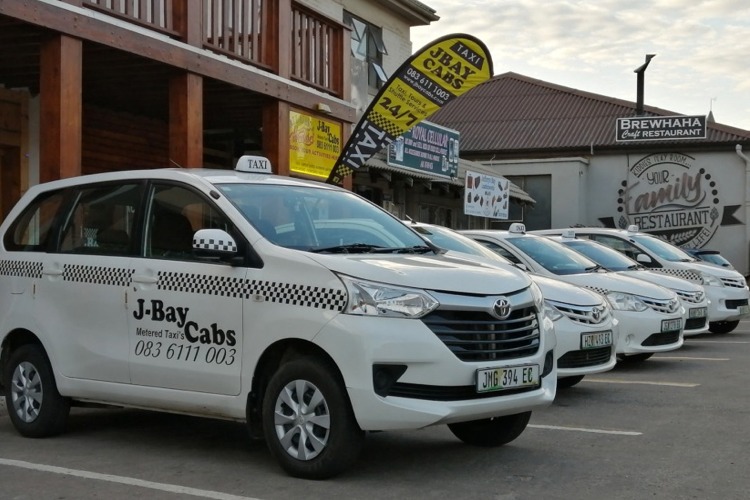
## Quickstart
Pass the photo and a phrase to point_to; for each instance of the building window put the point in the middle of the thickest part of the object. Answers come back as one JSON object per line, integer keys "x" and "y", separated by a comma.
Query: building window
{"x": 367, "y": 45}
{"x": 538, "y": 216}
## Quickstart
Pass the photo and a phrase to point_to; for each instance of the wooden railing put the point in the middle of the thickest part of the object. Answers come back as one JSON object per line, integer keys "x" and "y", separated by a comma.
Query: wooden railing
{"x": 250, "y": 31}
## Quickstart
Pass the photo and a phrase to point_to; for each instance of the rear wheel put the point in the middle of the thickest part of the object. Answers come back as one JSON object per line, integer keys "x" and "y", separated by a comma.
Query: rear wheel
{"x": 634, "y": 358}
{"x": 490, "y": 432}
{"x": 35, "y": 406}
{"x": 565, "y": 382}
{"x": 308, "y": 422}
{"x": 722, "y": 326}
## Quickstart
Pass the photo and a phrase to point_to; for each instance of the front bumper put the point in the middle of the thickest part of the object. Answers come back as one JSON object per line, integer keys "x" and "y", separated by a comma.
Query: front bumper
{"x": 573, "y": 359}
{"x": 641, "y": 332}
{"x": 727, "y": 303}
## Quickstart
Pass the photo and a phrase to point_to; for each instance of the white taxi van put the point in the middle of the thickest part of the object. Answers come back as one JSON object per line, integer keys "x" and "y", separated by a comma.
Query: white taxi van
{"x": 692, "y": 295}
{"x": 650, "y": 316}
{"x": 297, "y": 307}
{"x": 585, "y": 327}
{"x": 726, "y": 289}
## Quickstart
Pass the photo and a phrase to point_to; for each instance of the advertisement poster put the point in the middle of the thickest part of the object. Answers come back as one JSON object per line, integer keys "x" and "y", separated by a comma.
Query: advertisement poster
{"x": 314, "y": 144}
{"x": 428, "y": 148}
{"x": 426, "y": 81}
{"x": 486, "y": 196}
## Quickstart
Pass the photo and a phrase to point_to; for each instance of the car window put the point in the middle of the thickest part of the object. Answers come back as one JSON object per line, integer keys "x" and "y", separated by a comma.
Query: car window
{"x": 30, "y": 232}
{"x": 605, "y": 256}
{"x": 554, "y": 257}
{"x": 500, "y": 251}
{"x": 102, "y": 219}
{"x": 618, "y": 244}
{"x": 319, "y": 220}
{"x": 665, "y": 250}
{"x": 174, "y": 214}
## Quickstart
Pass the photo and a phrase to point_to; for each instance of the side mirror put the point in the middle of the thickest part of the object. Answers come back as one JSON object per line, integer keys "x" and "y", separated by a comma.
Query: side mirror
{"x": 214, "y": 244}
{"x": 643, "y": 259}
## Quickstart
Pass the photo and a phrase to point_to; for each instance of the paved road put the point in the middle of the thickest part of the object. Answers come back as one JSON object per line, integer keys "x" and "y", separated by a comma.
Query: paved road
{"x": 675, "y": 426}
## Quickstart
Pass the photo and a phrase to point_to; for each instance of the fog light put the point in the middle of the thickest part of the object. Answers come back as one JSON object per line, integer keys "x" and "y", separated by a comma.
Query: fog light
{"x": 384, "y": 376}
{"x": 549, "y": 363}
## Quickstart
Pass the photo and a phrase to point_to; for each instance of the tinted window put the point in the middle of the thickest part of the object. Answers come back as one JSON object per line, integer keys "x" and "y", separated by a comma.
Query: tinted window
{"x": 102, "y": 220}
{"x": 32, "y": 230}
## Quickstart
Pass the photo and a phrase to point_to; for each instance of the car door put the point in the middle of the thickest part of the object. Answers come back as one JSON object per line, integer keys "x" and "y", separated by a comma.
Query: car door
{"x": 80, "y": 300}
{"x": 184, "y": 313}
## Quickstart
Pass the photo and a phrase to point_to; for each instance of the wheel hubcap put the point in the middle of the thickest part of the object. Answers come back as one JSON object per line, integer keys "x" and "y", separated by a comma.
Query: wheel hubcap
{"x": 26, "y": 392}
{"x": 302, "y": 420}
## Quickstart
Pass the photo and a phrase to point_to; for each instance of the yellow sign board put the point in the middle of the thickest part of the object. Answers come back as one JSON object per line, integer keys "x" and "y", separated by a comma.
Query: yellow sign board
{"x": 314, "y": 144}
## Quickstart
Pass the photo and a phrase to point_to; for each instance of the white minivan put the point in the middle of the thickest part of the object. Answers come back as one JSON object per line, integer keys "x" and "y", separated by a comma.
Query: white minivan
{"x": 726, "y": 289}
{"x": 297, "y": 307}
{"x": 650, "y": 316}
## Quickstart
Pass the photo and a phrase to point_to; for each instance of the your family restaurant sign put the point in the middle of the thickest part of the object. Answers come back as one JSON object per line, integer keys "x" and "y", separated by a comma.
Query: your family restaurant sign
{"x": 660, "y": 128}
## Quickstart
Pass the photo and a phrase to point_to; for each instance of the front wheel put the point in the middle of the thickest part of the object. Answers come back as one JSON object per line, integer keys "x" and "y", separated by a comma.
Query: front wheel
{"x": 490, "y": 432}
{"x": 722, "y": 326}
{"x": 35, "y": 406}
{"x": 308, "y": 422}
{"x": 634, "y": 358}
{"x": 565, "y": 382}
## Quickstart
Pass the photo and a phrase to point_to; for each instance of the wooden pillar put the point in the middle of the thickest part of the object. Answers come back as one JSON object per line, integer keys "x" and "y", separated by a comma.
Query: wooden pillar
{"x": 61, "y": 106}
{"x": 276, "y": 135}
{"x": 186, "y": 120}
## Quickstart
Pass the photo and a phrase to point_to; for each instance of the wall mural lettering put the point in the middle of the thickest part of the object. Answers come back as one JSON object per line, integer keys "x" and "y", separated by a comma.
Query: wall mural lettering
{"x": 666, "y": 194}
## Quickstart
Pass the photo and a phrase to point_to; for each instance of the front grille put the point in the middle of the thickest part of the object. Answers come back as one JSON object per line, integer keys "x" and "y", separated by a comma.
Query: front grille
{"x": 587, "y": 315}
{"x": 664, "y": 338}
{"x": 734, "y": 282}
{"x": 663, "y": 306}
{"x": 695, "y": 323}
{"x": 448, "y": 393}
{"x": 479, "y": 336}
{"x": 584, "y": 358}
{"x": 691, "y": 297}
{"x": 735, "y": 304}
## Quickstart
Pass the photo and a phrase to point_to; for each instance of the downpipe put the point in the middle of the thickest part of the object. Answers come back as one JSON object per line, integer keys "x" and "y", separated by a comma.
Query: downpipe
{"x": 743, "y": 156}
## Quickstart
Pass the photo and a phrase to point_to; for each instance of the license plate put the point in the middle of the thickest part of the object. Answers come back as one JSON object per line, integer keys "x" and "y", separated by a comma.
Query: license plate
{"x": 510, "y": 377}
{"x": 596, "y": 339}
{"x": 697, "y": 312}
{"x": 744, "y": 309}
{"x": 670, "y": 325}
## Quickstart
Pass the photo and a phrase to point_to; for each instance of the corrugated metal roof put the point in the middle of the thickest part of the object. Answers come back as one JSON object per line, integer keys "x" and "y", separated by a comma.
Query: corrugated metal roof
{"x": 512, "y": 113}
{"x": 378, "y": 162}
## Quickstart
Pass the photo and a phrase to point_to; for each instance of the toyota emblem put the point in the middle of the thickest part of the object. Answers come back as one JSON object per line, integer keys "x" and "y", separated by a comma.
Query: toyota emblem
{"x": 502, "y": 308}
{"x": 595, "y": 314}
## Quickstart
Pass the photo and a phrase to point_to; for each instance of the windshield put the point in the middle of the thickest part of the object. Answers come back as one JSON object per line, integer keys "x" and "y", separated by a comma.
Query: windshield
{"x": 554, "y": 257}
{"x": 662, "y": 249}
{"x": 321, "y": 220}
{"x": 451, "y": 240}
{"x": 603, "y": 255}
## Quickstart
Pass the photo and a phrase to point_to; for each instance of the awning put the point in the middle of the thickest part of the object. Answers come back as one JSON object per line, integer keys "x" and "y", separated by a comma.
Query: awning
{"x": 378, "y": 162}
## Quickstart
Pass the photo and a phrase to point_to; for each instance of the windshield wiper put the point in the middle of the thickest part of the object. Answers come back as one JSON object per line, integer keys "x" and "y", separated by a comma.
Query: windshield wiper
{"x": 349, "y": 248}
{"x": 593, "y": 269}
{"x": 414, "y": 249}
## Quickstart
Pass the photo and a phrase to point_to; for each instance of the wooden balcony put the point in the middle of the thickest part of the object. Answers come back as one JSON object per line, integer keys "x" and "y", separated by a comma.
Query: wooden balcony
{"x": 282, "y": 36}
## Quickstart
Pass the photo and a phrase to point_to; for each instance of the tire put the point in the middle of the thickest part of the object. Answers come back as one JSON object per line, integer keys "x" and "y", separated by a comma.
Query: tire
{"x": 34, "y": 405}
{"x": 722, "y": 326}
{"x": 491, "y": 432}
{"x": 315, "y": 444}
{"x": 634, "y": 358}
{"x": 565, "y": 382}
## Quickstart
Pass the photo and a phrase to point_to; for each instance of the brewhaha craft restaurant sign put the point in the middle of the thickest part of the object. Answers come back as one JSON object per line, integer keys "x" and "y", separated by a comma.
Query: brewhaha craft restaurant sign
{"x": 660, "y": 128}
{"x": 668, "y": 195}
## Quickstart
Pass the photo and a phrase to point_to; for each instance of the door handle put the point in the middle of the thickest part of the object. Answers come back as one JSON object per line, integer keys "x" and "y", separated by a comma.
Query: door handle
{"x": 52, "y": 272}
{"x": 149, "y": 280}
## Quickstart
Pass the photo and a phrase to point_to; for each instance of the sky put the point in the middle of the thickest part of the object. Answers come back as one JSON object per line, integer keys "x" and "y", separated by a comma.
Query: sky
{"x": 702, "y": 47}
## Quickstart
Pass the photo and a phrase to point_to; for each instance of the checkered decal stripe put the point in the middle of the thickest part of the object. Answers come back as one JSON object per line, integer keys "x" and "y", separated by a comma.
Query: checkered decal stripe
{"x": 271, "y": 291}
{"x": 299, "y": 295}
{"x": 200, "y": 283}
{"x": 212, "y": 244}
{"x": 21, "y": 268}
{"x": 98, "y": 275}
{"x": 681, "y": 273}
{"x": 600, "y": 291}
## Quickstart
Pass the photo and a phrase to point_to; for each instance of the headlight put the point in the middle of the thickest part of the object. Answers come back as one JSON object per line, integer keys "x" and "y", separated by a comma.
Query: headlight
{"x": 626, "y": 302}
{"x": 711, "y": 280}
{"x": 367, "y": 298}
{"x": 536, "y": 292}
{"x": 552, "y": 312}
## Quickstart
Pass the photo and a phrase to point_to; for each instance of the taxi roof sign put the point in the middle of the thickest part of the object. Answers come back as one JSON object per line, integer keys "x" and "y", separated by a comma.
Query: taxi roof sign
{"x": 517, "y": 227}
{"x": 254, "y": 164}
{"x": 568, "y": 233}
